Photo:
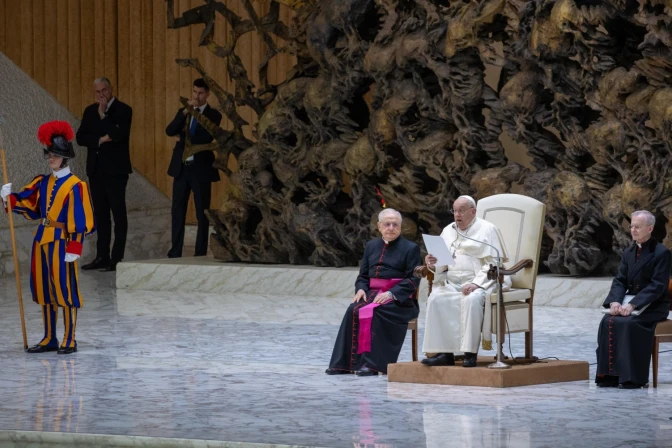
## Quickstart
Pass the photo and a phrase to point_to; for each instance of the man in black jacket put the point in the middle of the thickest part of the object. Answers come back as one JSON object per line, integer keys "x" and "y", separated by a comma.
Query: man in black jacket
{"x": 105, "y": 131}
{"x": 194, "y": 173}
{"x": 625, "y": 337}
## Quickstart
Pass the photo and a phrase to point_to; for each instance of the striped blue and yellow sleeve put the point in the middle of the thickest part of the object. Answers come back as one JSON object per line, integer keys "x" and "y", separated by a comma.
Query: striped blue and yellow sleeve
{"x": 27, "y": 201}
{"x": 80, "y": 218}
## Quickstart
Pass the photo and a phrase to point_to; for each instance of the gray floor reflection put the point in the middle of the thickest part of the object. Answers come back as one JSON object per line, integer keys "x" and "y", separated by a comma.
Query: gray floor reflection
{"x": 250, "y": 368}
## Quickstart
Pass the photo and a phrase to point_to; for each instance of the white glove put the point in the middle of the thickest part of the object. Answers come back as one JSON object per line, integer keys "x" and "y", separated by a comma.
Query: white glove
{"x": 6, "y": 191}
{"x": 69, "y": 258}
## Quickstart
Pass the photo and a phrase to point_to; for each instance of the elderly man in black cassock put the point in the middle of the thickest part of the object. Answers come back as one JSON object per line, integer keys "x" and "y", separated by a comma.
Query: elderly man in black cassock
{"x": 374, "y": 327}
{"x": 625, "y": 339}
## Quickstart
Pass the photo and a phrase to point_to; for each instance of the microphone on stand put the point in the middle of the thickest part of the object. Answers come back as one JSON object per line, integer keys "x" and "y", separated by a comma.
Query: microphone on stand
{"x": 499, "y": 364}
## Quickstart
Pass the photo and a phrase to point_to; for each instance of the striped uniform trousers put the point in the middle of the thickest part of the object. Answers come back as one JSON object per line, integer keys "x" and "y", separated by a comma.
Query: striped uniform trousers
{"x": 50, "y": 319}
{"x": 55, "y": 284}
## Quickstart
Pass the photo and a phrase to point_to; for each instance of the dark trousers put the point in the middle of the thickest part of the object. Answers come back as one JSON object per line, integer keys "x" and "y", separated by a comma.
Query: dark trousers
{"x": 108, "y": 193}
{"x": 183, "y": 185}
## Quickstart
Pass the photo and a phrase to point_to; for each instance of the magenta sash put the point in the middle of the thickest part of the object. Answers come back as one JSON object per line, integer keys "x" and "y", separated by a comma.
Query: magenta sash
{"x": 377, "y": 285}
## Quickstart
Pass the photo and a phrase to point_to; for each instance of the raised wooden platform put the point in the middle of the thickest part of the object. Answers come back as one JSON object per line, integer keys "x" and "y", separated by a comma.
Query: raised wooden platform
{"x": 542, "y": 372}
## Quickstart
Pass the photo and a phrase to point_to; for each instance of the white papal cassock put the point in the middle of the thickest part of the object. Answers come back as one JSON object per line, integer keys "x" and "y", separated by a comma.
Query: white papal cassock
{"x": 455, "y": 321}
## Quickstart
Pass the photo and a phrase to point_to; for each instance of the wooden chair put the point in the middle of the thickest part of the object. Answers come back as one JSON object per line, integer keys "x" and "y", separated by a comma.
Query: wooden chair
{"x": 413, "y": 327}
{"x": 520, "y": 220}
{"x": 421, "y": 272}
{"x": 663, "y": 334}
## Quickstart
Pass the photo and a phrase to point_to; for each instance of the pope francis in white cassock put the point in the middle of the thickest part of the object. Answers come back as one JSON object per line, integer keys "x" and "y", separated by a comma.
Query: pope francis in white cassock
{"x": 457, "y": 314}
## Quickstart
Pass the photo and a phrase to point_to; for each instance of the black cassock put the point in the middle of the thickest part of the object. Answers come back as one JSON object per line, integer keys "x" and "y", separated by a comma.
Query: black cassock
{"x": 625, "y": 343}
{"x": 396, "y": 259}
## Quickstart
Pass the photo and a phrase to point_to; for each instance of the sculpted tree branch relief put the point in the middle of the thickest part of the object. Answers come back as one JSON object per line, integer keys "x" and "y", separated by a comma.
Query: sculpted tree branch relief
{"x": 389, "y": 98}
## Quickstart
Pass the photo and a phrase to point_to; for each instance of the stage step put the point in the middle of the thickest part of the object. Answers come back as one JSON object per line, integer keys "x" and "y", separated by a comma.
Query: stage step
{"x": 204, "y": 274}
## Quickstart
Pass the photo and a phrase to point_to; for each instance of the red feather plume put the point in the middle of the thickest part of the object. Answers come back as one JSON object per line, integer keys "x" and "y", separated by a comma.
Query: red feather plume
{"x": 51, "y": 128}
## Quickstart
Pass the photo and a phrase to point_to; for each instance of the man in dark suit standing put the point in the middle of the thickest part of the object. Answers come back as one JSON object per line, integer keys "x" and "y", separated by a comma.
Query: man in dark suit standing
{"x": 105, "y": 131}
{"x": 626, "y": 334}
{"x": 195, "y": 173}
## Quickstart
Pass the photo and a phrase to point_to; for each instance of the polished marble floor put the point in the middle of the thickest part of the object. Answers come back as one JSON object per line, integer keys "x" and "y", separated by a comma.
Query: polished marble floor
{"x": 250, "y": 368}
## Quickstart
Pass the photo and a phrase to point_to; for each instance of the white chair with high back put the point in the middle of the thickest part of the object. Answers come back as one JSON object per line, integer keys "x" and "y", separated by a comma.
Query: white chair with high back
{"x": 520, "y": 220}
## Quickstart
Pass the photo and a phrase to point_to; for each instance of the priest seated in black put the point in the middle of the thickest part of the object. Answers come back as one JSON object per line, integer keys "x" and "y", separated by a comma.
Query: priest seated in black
{"x": 638, "y": 300}
{"x": 374, "y": 327}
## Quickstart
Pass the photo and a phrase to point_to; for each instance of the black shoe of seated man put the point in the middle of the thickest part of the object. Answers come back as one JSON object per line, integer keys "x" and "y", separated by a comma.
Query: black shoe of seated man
{"x": 442, "y": 359}
{"x": 365, "y": 371}
{"x": 469, "y": 359}
{"x": 111, "y": 266}
{"x": 331, "y": 371}
{"x": 631, "y": 385}
{"x": 42, "y": 348}
{"x": 98, "y": 263}
{"x": 607, "y": 381}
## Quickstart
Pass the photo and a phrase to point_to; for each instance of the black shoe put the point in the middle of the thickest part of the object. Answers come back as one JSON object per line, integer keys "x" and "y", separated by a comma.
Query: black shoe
{"x": 331, "y": 371}
{"x": 98, "y": 263}
{"x": 442, "y": 359}
{"x": 42, "y": 348}
{"x": 365, "y": 371}
{"x": 607, "y": 381}
{"x": 111, "y": 266}
{"x": 631, "y": 385}
{"x": 67, "y": 350}
{"x": 469, "y": 359}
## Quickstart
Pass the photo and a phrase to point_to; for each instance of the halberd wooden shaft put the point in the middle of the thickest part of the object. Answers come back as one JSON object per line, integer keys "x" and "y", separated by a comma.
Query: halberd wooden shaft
{"x": 14, "y": 251}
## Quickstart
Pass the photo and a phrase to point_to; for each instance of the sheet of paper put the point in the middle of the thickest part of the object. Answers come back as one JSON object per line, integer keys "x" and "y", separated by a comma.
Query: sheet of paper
{"x": 437, "y": 247}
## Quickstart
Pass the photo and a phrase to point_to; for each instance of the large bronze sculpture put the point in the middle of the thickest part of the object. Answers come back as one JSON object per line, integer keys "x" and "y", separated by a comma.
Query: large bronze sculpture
{"x": 388, "y": 99}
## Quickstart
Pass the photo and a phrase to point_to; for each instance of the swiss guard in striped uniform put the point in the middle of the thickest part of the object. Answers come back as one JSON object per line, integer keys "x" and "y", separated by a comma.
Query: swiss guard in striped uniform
{"x": 61, "y": 202}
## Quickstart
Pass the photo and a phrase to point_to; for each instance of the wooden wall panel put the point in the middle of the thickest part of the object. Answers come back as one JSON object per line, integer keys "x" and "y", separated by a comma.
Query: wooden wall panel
{"x": 27, "y": 37}
{"x": 171, "y": 104}
{"x": 62, "y": 63}
{"x": 87, "y": 53}
{"x": 123, "y": 83}
{"x": 74, "y": 59}
{"x": 99, "y": 43}
{"x": 158, "y": 96}
{"x": 50, "y": 45}
{"x": 147, "y": 92}
{"x": 13, "y": 31}
{"x": 135, "y": 87}
{"x": 65, "y": 44}
{"x": 38, "y": 41}
{"x": 3, "y": 28}
{"x": 110, "y": 64}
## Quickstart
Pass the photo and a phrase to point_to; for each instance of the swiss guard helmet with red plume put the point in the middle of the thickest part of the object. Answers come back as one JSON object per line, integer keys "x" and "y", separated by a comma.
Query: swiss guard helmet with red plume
{"x": 57, "y": 137}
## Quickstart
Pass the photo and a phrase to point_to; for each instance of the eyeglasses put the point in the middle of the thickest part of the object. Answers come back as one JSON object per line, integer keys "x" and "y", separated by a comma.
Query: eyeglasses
{"x": 637, "y": 227}
{"x": 393, "y": 225}
{"x": 459, "y": 211}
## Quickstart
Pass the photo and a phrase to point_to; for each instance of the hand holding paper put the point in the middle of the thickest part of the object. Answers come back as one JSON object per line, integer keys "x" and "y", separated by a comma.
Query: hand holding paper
{"x": 436, "y": 246}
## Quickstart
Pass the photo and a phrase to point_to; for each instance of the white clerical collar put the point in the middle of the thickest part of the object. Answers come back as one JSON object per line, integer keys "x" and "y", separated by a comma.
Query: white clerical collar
{"x": 640, "y": 244}
{"x": 473, "y": 221}
{"x": 60, "y": 174}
